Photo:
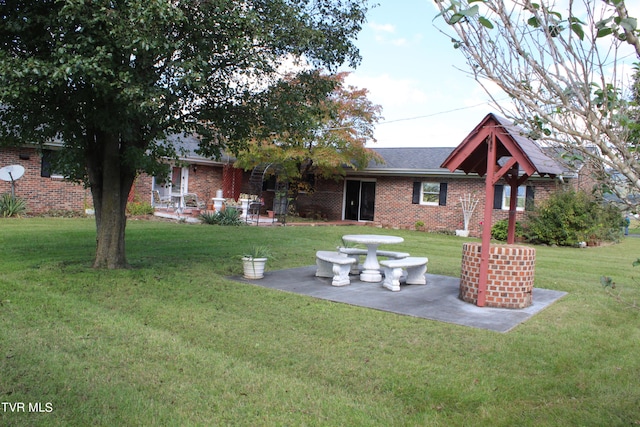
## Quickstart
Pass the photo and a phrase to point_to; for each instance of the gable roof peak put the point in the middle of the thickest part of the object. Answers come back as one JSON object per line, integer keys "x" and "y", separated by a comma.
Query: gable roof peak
{"x": 471, "y": 155}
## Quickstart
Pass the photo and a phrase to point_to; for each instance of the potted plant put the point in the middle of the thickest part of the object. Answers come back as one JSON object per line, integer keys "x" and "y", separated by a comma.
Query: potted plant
{"x": 254, "y": 261}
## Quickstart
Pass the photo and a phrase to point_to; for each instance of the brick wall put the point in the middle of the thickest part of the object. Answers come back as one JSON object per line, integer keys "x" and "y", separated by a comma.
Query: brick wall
{"x": 205, "y": 180}
{"x": 141, "y": 190}
{"x": 510, "y": 275}
{"x": 393, "y": 199}
{"x": 326, "y": 200}
{"x": 42, "y": 194}
{"x": 394, "y": 207}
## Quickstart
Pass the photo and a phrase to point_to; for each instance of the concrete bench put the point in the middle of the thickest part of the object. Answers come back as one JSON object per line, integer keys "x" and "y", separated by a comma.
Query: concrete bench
{"x": 336, "y": 265}
{"x": 416, "y": 267}
{"x": 357, "y": 252}
{"x": 388, "y": 254}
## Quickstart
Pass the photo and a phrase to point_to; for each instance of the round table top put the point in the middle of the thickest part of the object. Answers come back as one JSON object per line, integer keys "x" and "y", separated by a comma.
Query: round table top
{"x": 372, "y": 238}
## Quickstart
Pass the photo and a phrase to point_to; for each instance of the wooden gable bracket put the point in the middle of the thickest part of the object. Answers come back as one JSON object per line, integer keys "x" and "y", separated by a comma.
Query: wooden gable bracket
{"x": 504, "y": 171}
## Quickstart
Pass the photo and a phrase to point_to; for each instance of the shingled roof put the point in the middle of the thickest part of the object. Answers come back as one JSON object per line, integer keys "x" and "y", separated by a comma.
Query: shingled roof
{"x": 470, "y": 156}
{"x": 187, "y": 147}
{"x": 543, "y": 163}
{"x": 409, "y": 160}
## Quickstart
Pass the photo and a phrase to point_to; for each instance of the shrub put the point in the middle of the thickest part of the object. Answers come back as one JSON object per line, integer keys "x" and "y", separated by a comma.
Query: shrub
{"x": 139, "y": 208}
{"x": 225, "y": 217}
{"x": 229, "y": 217}
{"x": 569, "y": 217}
{"x": 11, "y": 205}
{"x": 500, "y": 230}
{"x": 62, "y": 213}
{"x": 210, "y": 218}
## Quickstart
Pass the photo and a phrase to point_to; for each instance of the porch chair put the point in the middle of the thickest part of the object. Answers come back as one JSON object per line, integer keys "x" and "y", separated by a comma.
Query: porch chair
{"x": 159, "y": 201}
{"x": 191, "y": 201}
{"x": 253, "y": 211}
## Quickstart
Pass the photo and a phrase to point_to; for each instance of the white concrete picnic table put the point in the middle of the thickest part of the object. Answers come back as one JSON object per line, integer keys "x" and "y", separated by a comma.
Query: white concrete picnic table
{"x": 371, "y": 266}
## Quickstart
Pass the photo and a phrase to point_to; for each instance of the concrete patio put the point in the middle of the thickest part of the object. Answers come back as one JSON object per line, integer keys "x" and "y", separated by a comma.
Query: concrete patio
{"x": 437, "y": 300}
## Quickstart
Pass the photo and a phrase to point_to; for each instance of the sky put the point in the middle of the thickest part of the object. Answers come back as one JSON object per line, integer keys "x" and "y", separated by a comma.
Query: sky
{"x": 412, "y": 70}
{"x": 415, "y": 74}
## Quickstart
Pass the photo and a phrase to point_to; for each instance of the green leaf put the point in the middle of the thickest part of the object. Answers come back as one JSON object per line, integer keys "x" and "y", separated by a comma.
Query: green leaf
{"x": 533, "y": 21}
{"x": 607, "y": 282}
{"x": 604, "y": 23}
{"x": 577, "y": 28}
{"x": 485, "y": 22}
{"x": 455, "y": 18}
{"x": 472, "y": 11}
{"x": 629, "y": 24}
{"x": 551, "y": 12}
{"x": 604, "y": 32}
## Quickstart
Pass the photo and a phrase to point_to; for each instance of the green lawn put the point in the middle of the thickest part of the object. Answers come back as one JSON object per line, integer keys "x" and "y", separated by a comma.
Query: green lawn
{"x": 173, "y": 342}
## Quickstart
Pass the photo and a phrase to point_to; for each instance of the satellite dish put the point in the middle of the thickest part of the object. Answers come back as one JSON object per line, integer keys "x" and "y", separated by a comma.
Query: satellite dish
{"x": 11, "y": 173}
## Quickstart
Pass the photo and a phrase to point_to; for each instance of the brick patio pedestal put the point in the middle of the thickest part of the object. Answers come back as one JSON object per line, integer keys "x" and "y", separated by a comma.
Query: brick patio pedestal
{"x": 510, "y": 277}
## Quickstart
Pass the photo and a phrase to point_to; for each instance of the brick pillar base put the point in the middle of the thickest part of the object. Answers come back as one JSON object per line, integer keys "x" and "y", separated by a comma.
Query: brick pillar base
{"x": 510, "y": 278}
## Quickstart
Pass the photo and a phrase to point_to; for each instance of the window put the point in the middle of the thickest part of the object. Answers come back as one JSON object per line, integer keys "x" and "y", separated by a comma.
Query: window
{"x": 430, "y": 193}
{"x": 48, "y": 165}
{"x": 506, "y": 198}
{"x": 502, "y": 197}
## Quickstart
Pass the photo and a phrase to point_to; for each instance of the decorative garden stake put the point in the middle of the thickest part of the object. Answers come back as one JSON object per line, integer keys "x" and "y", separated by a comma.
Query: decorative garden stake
{"x": 468, "y": 204}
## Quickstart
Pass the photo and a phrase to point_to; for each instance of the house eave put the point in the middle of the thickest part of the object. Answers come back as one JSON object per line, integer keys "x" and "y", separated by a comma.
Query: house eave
{"x": 405, "y": 172}
{"x": 435, "y": 173}
{"x": 203, "y": 161}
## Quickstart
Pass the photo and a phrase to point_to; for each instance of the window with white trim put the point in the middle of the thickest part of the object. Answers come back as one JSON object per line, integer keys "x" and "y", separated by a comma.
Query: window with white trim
{"x": 430, "y": 193}
{"x": 506, "y": 197}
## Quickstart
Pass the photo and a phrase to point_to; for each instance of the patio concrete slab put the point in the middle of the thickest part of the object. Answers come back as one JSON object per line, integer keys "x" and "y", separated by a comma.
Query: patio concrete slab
{"x": 437, "y": 300}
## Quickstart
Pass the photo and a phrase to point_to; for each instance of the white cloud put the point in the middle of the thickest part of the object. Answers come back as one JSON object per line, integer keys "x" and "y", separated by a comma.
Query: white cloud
{"x": 382, "y": 28}
{"x": 389, "y": 92}
{"x": 382, "y": 33}
{"x": 414, "y": 117}
{"x": 437, "y": 131}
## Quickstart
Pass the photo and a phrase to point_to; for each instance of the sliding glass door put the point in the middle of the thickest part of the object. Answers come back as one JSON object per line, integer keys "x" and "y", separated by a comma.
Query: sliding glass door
{"x": 360, "y": 198}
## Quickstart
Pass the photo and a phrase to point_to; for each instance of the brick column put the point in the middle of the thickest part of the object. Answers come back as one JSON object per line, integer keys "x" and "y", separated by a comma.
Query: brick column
{"x": 510, "y": 278}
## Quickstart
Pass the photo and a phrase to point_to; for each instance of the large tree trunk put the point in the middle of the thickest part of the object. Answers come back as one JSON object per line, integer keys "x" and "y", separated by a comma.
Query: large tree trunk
{"x": 111, "y": 181}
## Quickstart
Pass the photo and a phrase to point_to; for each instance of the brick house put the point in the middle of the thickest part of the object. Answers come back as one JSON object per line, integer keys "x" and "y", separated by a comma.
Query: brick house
{"x": 46, "y": 191}
{"x": 409, "y": 190}
{"x": 42, "y": 189}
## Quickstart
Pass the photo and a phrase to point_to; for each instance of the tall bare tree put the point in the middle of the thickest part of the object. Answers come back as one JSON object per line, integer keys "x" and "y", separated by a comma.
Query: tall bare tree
{"x": 565, "y": 66}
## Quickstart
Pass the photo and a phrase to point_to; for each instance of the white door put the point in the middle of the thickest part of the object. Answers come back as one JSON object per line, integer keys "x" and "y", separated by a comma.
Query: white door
{"x": 176, "y": 186}
{"x": 179, "y": 184}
